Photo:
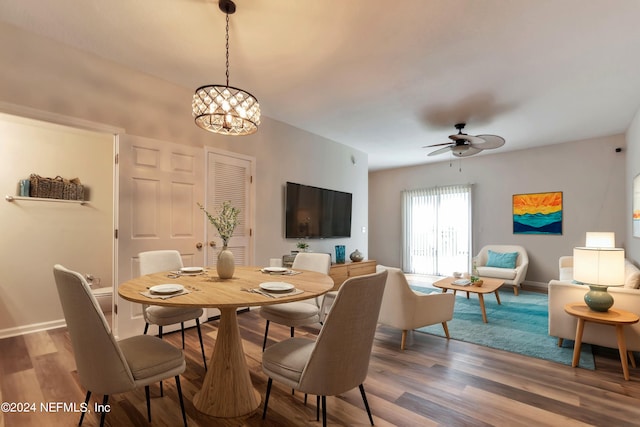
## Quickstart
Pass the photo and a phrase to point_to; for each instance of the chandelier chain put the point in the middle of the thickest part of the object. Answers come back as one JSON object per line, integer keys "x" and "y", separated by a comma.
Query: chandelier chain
{"x": 227, "y": 46}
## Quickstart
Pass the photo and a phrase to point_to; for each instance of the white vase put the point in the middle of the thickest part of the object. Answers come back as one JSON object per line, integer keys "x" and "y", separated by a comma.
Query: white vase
{"x": 226, "y": 264}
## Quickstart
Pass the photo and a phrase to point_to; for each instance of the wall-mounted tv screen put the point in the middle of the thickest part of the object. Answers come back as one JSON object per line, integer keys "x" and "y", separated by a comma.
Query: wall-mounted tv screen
{"x": 316, "y": 213}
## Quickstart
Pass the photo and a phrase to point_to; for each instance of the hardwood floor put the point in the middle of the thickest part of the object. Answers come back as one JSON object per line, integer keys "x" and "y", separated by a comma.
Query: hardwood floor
{"x": 433, "y": 382}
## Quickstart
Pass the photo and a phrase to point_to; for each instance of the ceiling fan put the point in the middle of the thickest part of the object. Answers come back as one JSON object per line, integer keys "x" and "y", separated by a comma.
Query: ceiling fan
{"x": 463, "y": 145}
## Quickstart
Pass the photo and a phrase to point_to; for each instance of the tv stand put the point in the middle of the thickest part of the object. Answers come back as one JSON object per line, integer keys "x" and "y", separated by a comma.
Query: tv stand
{"x": 341, "y": 272}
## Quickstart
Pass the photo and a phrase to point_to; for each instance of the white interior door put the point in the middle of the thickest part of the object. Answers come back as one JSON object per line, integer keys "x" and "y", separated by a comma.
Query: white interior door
{"x": 160, "y": 184}
{"x": 230, "y": 177}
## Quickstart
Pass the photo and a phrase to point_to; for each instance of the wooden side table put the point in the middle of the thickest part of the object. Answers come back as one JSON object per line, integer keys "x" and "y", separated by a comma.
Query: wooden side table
{"x": 613, "y": 317}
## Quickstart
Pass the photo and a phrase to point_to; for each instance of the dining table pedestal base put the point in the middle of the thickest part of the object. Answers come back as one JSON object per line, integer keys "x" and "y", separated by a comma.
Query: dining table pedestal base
{"x": 227, "y": 390}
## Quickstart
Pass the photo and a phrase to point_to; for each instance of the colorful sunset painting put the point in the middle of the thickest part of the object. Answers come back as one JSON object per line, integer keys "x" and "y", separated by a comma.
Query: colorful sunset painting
{"x": 537, "y": 213}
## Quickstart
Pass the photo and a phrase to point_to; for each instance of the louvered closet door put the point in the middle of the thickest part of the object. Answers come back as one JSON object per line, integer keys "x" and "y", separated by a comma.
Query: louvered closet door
{"x": 229, "y": 177}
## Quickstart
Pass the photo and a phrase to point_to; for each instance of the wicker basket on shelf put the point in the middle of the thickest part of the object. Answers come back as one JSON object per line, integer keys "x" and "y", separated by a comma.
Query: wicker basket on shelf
{"x": 55, "y": 188}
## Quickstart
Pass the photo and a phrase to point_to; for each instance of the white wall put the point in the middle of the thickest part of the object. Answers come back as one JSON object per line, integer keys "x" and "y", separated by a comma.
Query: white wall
{"x": 36, "y": 235}
{"x": 589, "y": 173}
{"x": 38, "y": 73}
{"x": 632, "y": 170}
{"x": 290, "y": 154}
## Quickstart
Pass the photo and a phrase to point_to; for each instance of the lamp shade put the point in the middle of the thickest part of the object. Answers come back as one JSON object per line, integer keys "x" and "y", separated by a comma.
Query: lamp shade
{"x": 600, "y": 239}
{"x": 599, "y": 266}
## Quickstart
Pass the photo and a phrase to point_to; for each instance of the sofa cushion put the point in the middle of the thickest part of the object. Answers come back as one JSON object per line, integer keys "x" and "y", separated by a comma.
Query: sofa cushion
{"x": 631, "y": 276}
{"x": 566, "y": 274}
{"x": 502, "y": 259}
{"x": 497, "y": 273}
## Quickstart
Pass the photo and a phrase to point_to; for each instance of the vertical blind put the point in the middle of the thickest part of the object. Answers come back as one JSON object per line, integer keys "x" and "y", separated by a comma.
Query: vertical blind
{"x": 436, "y": 230}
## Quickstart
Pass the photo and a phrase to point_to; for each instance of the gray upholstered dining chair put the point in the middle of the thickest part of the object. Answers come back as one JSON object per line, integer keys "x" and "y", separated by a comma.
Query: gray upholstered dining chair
{"x": 338, "y": 360}
{"x": 106, "y": 366}
{"x": 298, "y": 313}
{"x": 167, "y": 260}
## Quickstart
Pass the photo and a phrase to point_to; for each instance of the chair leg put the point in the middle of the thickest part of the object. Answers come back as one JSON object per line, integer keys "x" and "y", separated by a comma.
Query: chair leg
{"x": 404, "y": 339}
{"x": 292, "y": 329}
{"x": 324, "y": 411}
{"x": 366, "y": 404}
{"x": 105, "y": 401}
{"x": 318, "y": 408}
{"x": 147, "y": 395}
{"x": 204, "y": 357}
{"x": 86, "y": 405}
{"x": 179, "y": 388}
{"x": 266, "y": 331}
{"x": 182, "y": 329}
{"x": 446, "y": 329}
{"x": 515, "y": 290}
{"x": 160, "y": 336}
{"x": 146, "y": 328}
{"x": 266, "y": 398}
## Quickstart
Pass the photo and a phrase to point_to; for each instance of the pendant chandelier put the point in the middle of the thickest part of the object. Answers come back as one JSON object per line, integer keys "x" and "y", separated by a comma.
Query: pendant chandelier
{"x": 225, "y": 109}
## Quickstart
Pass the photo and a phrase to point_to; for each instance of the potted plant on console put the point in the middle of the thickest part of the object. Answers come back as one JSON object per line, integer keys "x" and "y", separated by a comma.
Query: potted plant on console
{"x": 302, "y": 245}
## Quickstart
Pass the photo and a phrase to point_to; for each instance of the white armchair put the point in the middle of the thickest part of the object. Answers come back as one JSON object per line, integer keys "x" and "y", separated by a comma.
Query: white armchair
{"x": 511, "y": 276}
{"x": 406, "y": 309}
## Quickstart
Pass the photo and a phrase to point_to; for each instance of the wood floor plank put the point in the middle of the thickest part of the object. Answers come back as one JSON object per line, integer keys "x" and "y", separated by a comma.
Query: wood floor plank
{"x": 15, "y": 355}
{"x": 39, "y": 343}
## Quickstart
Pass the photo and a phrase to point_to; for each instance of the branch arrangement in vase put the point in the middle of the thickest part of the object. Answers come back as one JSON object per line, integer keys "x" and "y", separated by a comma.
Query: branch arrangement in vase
{"x": 225, "y": 221}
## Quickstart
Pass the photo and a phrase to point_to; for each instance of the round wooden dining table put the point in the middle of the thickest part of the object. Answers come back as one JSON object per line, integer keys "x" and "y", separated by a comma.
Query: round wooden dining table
{"x": 227, "y": 390}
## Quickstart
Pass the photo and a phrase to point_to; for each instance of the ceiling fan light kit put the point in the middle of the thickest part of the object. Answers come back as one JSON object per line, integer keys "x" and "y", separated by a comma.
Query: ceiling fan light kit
{"x": 463, "y": 145}
{"x": 225, "y": 109}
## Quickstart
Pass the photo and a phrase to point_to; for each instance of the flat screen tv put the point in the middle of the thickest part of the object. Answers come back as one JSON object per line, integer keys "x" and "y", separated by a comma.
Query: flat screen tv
{"x": 316, "y": 213}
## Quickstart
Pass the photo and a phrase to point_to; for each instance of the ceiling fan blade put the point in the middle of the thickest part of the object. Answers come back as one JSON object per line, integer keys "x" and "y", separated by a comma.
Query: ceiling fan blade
{"x": 438, "y": 145}
{"x": 470, "y": 138}
{"x": 466, "y": 153}
{"x": 439, "y": 151}
{"x": 490, "y": 141}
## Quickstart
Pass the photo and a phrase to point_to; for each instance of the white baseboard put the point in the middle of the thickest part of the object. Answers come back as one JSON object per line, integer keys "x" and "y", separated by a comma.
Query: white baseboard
{"x": 28, "y": 329}
{"x": 537, "y": 285}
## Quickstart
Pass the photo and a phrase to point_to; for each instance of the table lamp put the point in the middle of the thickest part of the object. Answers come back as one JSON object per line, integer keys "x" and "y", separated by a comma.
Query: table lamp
{"x": 600, "y": 239}
{"x": 598, "y": 268}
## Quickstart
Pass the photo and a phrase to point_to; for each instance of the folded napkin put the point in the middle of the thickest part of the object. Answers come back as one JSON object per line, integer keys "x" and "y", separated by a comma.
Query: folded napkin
{"x": 278, "y": 294}
{"x": 282, "y": 273}
{"x": 150, "y": 294}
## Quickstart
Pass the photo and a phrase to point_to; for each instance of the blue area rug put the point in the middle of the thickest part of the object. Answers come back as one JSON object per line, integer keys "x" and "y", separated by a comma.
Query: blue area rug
{"x": 520, "y": 325}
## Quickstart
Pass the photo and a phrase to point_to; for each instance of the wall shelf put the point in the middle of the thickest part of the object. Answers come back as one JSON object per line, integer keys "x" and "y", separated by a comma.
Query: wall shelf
{"x": 42, "y": 199}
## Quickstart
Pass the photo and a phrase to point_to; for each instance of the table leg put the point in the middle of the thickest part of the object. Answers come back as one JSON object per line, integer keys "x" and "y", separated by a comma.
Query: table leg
{"x": 498, "y": 297}
{"x": 578, "y": 343}
{"x": 482, "y": 309}
{"x": 227, "y": 390}
{"x": 622, "y": 348}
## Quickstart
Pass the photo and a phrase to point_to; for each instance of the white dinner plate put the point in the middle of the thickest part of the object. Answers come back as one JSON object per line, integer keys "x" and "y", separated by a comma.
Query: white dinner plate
{"x": 274, "y": 269}
{"x": 276, "y": 287}
{"x": 462, "y": 282}
{"x": 168, "y": 288}
{"x": 191, "y": 270}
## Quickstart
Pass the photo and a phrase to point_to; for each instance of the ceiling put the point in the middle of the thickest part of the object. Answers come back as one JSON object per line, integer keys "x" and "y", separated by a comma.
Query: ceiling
{"x": 385, "y": 77}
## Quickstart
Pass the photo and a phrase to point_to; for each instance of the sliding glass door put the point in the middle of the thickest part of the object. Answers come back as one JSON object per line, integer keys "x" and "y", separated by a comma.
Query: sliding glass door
{"x": 437, "y": 230}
